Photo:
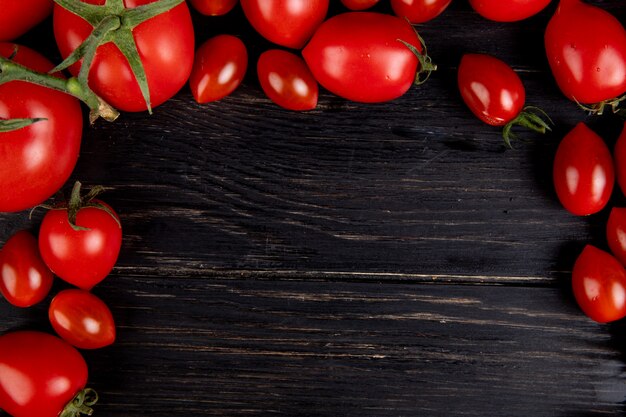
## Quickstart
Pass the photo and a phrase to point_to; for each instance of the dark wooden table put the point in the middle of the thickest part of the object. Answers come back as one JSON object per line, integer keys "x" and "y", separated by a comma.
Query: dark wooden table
{"x": 356, "y": 260}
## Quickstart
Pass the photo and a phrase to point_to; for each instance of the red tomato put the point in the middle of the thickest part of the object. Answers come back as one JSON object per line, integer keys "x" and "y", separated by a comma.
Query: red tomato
{"x": 359, "y": 56}
{"x": 288, "y": 23}
{"x": 81, "y": 257}
{"x": 213, "y": 7}
{"x": 508, "y": 10}
{"x": 286, "y": 80}
{"x": 586, "y": 49}
{"x": 25, "y": 279}
{"x": 619, "y": 157}
{"x": 419, "y": 11}
{"x": 359, "y": 4}
{"x": 583, "y": 171}
{"x": 39, "y": 374}
{"x": 38, "y": 159}
{"x": 167, "y": 55}
{"x": 616, "y": 233}
{"x": 218, "y": 69}
{"x": 18, "y": 17}
{"x": 82, "y": 319}
{"x": 599, "y": 284}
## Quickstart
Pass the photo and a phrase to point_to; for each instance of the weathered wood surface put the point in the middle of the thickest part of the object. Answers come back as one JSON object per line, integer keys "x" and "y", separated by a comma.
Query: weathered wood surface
{"x": 389, "y": 259}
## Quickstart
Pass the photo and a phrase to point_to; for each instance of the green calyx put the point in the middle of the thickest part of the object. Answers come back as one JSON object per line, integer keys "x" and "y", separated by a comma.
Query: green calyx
{"x": 113, "y": 22}
{"x": 427, "y": 66}
{"x": 9, "y": 125}
{"x": 531, "y": 118}
{"x": 81, "y": 404}
{"x": 597, "y": 109}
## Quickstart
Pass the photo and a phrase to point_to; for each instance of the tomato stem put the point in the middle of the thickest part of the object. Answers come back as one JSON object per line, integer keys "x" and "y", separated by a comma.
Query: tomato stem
{"x": 9, "y": 125}
{"x": 77, "y": 201}
{"x": 597, "y": 109}
{"x": 427, "y": 66}
{"x": 530, "y": 117}
{"x": 82, "y": 403}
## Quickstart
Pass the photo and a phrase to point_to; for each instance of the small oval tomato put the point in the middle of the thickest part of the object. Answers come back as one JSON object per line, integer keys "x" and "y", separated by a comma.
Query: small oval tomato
{"x": 213, "y": 7}
{"x": 218, "y": 69}
{"x": 508, "y": 10}
{"x": 583, "y": 171}
{"x": 286, "y": 80}
{"x": 619, "y": 157}
{"x": 25, "y": 279}
{"x": 288, "y": 23}
{"x": 360, "y": 56}
{"x": 419, "y": 11}
{"x": 82, "y": 319}
{"x": 39, "y": 374}
{"x": 18, "y": 17}
{"x": 359, "y": 4}
{"x": 616, "y": 233}
{"x": 599, "y": 284}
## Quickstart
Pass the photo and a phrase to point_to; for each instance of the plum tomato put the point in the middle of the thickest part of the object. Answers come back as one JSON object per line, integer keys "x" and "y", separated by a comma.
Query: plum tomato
{"x": 616, "y": 233}
{"x": 213, "y": 7}
{"x": 419, "y": 11}
{"x": 508, "y": 10}
{"x": 357, "y": 5}
{"x": 18, "y": 17}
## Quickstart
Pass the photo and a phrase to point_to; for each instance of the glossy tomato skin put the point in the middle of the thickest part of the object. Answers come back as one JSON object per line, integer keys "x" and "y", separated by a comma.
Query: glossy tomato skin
{"x": 287, "y": 23}
{"x": 18, "y": 17}
{"x": 213, "y": 7}
{"x": 619, "y": 157}
{"x": 357, "y": 5}
{"x": 25, "y": 280}
{"x": 419, "y": 11}
{"x": 81, "y": 257}
{"x": 508, "y": 10}
{"x": 219, "y": 68}
{"x": 490, "y": 88}
{"x": 286, "y": 80}
{"x": 616, "y": 233}
{"x": 167, "y": 55}
{"x": 599, "y": 285}
{"x": 38, "y": 159}
{"x": 583, "y": 172}
{"x": 39, "y": 374}
{"x": 359, "y": 56}
{"x": 82, "y": 319}
{"x": 586, "y": 50}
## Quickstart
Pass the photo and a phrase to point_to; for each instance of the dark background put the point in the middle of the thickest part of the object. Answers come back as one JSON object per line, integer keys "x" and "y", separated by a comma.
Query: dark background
{"x": 356, "y": 260}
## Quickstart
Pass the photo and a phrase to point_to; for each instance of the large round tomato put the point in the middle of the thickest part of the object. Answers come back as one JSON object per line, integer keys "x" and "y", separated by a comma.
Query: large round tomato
{"x": 419, "y": 11}
{"x": 86, "y": 256}
{"x": 38, "y": 159}
{"x": 18, "y": 17}
{"x": 586, "y": 49}
{"x": 288, "y": 23}
{"x": 165, "y": 44}
{"x": 599, "y": 285}
{"x": 40, "y": 374}
{"x": 508, "y": 10}
{"x": 25, "y": 279}
{"x": 360, "y": 56}
{"x": 583, "y": 171}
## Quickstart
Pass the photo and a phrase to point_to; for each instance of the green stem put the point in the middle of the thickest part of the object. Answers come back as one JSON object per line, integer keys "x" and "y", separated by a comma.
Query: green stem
{"x": 531, "y": 118}
{"x": 138, "y": 15}
{"x": 10, "y": 125}
{"x": 82, "y": 403}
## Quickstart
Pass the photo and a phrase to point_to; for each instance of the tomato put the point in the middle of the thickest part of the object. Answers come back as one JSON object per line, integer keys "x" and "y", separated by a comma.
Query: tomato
{"x": 616, "y": 233}
{"x": 25, "y": 279}
{"x": 599, "y": 284}
{"x": 586, "y": 49}
{"x": 288, "y": 23}
{"x": 38, "y": 159}
{"x": 583, "y": 171}
{"x": 359, "y": 4}
{"x": 18, "y": 17}
{"x": 619, "y": 157}
{"x": 508, "y": 10}
{"x": 286, "y": 80}
{"x": 218, "y": 69}
{"x": 419, "y": 11}
{"x": 40, "y": 374}
{"x": 82, "y": 319}
{"x": 213, "y": 7}
{"x": 360, "y": 56}
{"x": 166, "y": 55}
{"x": 81, "y": 257}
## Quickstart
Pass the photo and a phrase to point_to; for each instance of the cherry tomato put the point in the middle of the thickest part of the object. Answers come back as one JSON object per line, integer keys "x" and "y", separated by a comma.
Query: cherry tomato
{"x": 166, "y": 55}
{"x": 25, "y": 279}
{"x": 82, "y": 319}
{"x": 213, "y": 7}
{"x": 508, "y": 10}
{"x": 619, "y": 157}
{"x": 38, "y": 159}
{"x": 599, "y": 284}
{"x": 286, "y": 80}
{"x": 359, "y": 56}
{"x": 18, "y": 17}
{"x": 586, "y": 49}
{"x": 288, "y": 23}
{"x": 616, "y": 233}
{"x": 419, "y": 11}
{"x": 39, "y": 374}
{"x": 583, "y": 171}
{"x": 359, "y": 4}
{"x": 218, "y": 69}
{"x": 81, "y": 257}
